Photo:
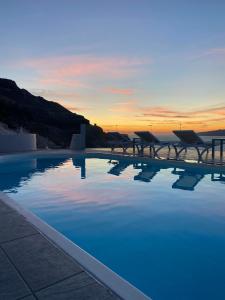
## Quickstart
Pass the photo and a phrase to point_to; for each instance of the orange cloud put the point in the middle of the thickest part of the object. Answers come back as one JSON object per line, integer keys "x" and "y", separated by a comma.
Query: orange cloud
{"x": 219, "y": 110}
{"x": 159, "y": 111}
{"x": 166, "y": 112}
{"x": 164, "y": 118}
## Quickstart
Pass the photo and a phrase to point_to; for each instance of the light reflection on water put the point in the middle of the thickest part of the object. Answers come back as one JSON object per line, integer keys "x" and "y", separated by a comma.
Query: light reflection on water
{"x": 163, "y": 229}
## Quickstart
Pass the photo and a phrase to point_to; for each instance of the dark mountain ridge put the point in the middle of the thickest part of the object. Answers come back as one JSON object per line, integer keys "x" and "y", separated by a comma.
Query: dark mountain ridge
{"x": 50, "y": 120}
{"x": 218, "y": 132}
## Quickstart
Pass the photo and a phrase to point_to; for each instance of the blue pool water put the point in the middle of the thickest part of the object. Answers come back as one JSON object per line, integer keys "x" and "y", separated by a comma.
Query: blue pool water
{"x": 162, "y": 229}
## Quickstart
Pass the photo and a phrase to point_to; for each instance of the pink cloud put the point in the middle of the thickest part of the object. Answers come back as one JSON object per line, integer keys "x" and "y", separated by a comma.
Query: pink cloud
{"x": 54, "y": 81}
{"x": 130, "y": 106}
{"x": 75, "y": 108}
{"x": 73, "y": 70}
{"x": 215, "y": 52}
{"x": 119, "y": 91}
{"x": 55, "y": 94}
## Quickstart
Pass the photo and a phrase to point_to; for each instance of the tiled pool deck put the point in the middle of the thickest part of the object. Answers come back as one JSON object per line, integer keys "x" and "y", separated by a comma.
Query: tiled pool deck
{"x": 32, "y": 267}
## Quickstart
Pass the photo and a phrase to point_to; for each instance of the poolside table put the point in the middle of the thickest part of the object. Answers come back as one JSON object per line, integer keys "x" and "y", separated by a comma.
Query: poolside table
{"x": 220, "y": 143}
{"x": 138, "y": 141}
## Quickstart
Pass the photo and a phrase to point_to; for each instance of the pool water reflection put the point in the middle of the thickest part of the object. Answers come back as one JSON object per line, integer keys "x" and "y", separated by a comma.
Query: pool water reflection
{"x": 161, "y": 228}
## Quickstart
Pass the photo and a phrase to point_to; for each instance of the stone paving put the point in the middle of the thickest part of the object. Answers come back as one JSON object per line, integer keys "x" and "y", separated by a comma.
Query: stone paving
{"x": 32, "y": 267}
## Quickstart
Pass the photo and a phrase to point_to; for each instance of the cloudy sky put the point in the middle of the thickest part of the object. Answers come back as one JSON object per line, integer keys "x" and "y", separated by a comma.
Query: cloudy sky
{"x": 124, "y": 64}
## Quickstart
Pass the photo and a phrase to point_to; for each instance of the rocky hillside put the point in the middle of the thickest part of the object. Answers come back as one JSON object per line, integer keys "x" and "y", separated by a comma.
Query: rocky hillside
{"x": 53, "y": 123}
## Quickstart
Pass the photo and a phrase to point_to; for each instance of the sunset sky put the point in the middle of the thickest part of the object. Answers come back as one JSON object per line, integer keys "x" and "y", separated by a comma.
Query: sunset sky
{"x": 123, "y": 64}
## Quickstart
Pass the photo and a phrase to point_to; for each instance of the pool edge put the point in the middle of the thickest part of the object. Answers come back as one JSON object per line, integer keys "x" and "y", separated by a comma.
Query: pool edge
{"x": 98, "y": 270}
{"x": 111, "y": 155}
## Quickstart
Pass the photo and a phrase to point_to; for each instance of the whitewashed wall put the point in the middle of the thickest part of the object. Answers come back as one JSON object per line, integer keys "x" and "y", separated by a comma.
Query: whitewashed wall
{"x": 17, "y": 142}
{"x": 78, "y": 140}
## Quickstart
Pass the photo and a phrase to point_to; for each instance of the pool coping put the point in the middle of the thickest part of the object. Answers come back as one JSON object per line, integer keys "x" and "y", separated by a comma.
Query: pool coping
{"x": 98, "y": 270}
{"x": 91, "y": 153}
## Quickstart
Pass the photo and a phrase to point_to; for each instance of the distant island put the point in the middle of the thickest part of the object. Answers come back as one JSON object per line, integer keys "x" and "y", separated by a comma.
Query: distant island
{"x": 53, "y": 123}
{"x": 219, "y": 132}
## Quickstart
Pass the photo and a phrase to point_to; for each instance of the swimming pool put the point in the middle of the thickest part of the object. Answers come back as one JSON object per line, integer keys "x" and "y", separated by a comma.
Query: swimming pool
{"x": 160, "y": 227}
